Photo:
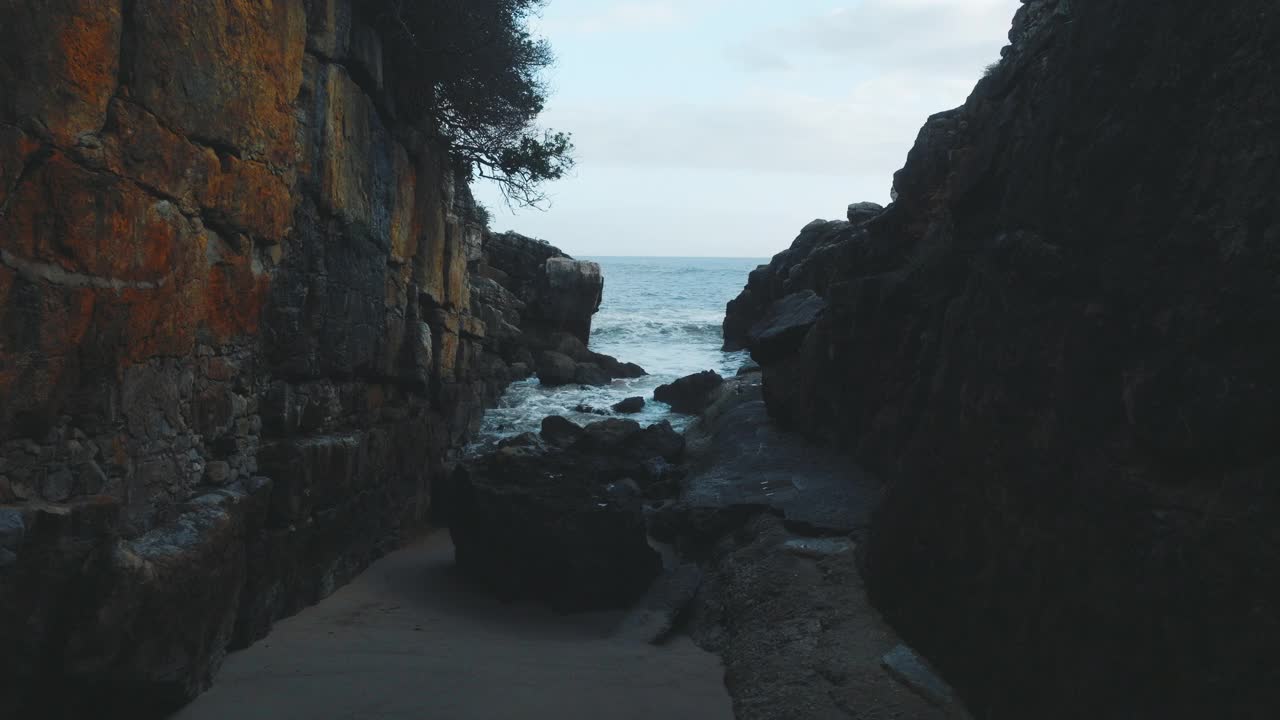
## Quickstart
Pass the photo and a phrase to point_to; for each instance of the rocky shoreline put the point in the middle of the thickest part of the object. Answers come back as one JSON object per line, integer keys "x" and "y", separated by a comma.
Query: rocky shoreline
{"x": 1022, "y": 419}
{"x": 737, "y": 533}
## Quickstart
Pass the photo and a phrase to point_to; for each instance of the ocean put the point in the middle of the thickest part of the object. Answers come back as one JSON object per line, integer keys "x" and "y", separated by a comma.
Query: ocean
{"x": 662, "y": 313}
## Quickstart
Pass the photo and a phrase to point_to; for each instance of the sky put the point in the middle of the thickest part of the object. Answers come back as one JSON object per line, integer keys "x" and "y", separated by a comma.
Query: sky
{"x": 719, "y": 128}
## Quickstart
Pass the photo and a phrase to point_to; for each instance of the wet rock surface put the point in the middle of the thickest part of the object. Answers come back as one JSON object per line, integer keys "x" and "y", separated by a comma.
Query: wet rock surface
{"x": 743, "y": 459}
{"x": 1054, "y": 345}
{"x": 778, "y": 593}
{"x": 629, "y": 406}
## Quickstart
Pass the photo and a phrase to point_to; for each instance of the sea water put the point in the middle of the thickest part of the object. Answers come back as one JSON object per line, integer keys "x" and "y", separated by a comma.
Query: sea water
{"x": 661, "y": 313}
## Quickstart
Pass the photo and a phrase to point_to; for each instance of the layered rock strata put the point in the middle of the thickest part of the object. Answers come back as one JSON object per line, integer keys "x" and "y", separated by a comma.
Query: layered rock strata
{"x": 239, "y": 333}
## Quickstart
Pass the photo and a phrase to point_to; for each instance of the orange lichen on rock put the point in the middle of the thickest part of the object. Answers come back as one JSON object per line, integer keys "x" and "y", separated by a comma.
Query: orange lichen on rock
{"x": 67, "y": 70}
{"x": 137, "y": 146}
{"x": 251, "y": 198}
{"x": 234, "y": 302}
{"x": 224, "y": 71}
{"x": 104, "y": 231}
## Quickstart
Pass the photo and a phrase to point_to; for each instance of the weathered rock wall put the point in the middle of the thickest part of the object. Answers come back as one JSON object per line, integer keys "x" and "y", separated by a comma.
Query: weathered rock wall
{"x": 236, "y": 334}
{"x": 1058, "y": 344}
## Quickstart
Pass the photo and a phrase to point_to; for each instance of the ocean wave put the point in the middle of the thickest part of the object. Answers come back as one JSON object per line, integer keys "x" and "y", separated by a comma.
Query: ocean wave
{"x": 639, "y": 330}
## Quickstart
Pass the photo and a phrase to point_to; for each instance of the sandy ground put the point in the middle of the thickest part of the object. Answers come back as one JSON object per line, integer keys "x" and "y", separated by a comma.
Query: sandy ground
{"x": 409, "y": 639}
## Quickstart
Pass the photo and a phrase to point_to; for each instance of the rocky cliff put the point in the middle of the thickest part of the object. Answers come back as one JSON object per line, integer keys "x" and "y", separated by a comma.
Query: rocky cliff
{"x": 1058, "y": 347}
{"x": 238, "y": 333}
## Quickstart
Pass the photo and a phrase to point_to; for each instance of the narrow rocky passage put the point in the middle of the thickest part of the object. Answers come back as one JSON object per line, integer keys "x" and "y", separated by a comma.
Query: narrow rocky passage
{"x": 410, "y": 639}
{"x": 776, "y": 522}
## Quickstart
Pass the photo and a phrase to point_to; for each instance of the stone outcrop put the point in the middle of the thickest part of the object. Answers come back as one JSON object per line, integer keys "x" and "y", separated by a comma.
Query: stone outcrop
{"x": 541, "y": 302}
{"x": 559, "y": 517}
{"x": 244, "y": 315}
{"x": 1057, "y": 346}
{"x": 560, "y": 294}
{"x": 690, "y": 394}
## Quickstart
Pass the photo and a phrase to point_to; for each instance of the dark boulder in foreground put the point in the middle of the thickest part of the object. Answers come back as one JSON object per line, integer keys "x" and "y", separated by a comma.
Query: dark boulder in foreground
{"x": 630, "y": 406}
{"x": 690, "y": 394}
{"x": 561, "y": 520}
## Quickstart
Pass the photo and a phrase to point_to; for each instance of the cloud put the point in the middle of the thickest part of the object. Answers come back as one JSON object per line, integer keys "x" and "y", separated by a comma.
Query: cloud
{"x": 730, "y": 126}
{"x": 828, "y": 93}
{"x": 631, "y": 16}
{"x": 767, "y": 129}
{"x": 927, "y": 35}
{"x": 757, "y": 59}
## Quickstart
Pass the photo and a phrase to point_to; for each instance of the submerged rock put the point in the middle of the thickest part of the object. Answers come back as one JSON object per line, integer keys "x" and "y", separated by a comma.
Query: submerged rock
{"x": 690, "y": 394}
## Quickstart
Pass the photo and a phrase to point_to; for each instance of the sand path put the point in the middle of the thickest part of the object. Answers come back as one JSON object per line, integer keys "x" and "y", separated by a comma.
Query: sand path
{"x": 408, "y": 639}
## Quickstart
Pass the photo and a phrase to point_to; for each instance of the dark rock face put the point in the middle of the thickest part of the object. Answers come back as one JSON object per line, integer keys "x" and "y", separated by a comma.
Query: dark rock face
{"x": 784, "y": 324}
{"x": 690, "y": 394}
{"x": 1058, "y": 344}
{"x": 811, "y": 263}
{"x": 556, "y": 368}
{"x": 244, "y": 316}
{"x": 563, "y": 523}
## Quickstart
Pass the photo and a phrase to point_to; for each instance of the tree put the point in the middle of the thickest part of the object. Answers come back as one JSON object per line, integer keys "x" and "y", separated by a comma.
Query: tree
{"x": 475, "y": 73}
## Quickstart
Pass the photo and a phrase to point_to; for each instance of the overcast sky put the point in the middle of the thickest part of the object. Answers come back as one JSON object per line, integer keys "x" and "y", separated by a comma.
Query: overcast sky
{"x": 720, "y": 127}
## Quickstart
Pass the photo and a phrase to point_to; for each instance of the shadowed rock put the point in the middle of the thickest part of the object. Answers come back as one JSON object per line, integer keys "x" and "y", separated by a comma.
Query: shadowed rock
{"x": 563, "y": 523}
{"x": 690, "y": 394}
{"x": 784, "y": 325}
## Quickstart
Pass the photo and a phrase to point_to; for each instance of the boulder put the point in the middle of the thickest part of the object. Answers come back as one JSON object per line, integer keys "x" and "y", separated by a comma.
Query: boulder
{"x": 690, "y": 394}
{"x": 614, "y": 367}
{"x": 560, "y": 431}
{"x": 863, "y": 212}
{"x": 630, "y": 406}
{"x": 574, "y": 289}
{"x": 561, "y": 523}
{"x": 556, "y": 368}
{"x": 660, "y": 441}
{"x": 607, "y": 436}
{"x": 590, "y": 374}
